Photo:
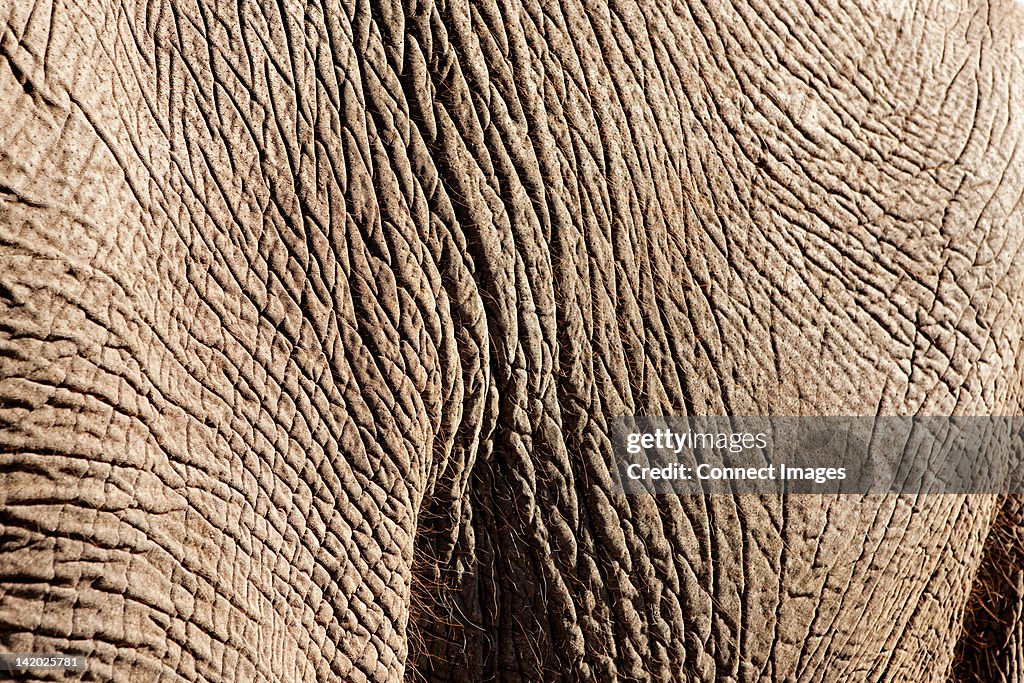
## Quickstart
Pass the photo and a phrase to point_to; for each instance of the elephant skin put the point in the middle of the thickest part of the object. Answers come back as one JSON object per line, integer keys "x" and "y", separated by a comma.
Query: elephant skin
{"x": 313, "y": 317}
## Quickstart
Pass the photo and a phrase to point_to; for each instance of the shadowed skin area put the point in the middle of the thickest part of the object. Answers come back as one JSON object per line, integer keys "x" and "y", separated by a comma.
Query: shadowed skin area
{"x": 313, "y": 316}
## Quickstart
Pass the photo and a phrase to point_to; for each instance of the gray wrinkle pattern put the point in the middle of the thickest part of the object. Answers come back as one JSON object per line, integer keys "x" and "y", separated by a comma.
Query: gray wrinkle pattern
{"x": 313, "y": 317}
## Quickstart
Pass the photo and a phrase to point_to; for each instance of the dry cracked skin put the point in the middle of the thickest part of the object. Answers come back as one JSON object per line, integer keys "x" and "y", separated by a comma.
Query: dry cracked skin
{"x": 313, "y": 317}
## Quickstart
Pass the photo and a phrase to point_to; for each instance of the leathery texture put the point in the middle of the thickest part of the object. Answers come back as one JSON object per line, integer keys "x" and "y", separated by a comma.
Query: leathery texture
{"x": 313, "y": 316}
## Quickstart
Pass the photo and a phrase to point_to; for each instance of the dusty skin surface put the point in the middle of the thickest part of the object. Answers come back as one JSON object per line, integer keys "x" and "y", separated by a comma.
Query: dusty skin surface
{"x": 312, "y": 317}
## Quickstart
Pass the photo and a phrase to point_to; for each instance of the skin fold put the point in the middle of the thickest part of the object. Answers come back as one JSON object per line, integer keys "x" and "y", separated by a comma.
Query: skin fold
{"x": 313, "y": 317}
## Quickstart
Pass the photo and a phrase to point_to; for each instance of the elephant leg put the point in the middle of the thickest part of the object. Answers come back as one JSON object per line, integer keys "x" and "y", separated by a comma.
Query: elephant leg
{"x": 670, "y": 210}
{"x": 230, "y": 372}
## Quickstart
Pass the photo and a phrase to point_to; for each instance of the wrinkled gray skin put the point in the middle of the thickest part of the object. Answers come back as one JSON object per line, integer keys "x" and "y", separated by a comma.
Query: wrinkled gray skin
{"x": 312, "y": 319}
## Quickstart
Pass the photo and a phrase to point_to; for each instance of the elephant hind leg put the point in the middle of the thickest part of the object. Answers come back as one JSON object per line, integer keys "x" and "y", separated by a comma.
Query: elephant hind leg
{"x": 991, "y": 647}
